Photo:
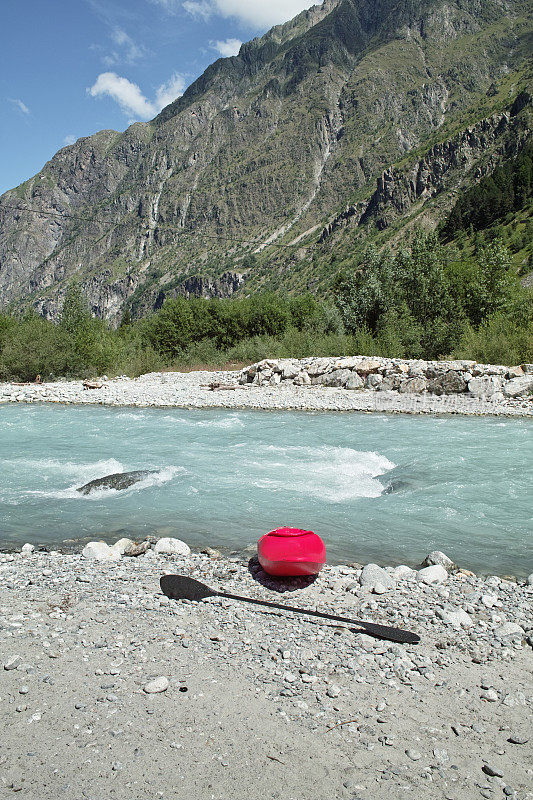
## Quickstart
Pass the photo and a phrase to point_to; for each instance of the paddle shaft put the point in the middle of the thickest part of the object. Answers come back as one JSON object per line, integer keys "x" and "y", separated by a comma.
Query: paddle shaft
{"x": 383, "y": 631}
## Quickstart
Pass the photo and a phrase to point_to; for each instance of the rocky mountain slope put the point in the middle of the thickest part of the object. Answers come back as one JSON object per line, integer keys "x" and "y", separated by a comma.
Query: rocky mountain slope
{"x": 356, "y": 118}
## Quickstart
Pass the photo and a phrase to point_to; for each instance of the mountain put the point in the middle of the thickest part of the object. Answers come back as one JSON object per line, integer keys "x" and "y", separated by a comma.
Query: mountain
{"x": 352, "y": 122}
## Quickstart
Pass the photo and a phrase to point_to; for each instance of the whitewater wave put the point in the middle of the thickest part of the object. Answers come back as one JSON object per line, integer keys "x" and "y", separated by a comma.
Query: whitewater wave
{"x": 332, "y": 474}
{"x": 159, "y": 478}
{"x": 226, "y": 423}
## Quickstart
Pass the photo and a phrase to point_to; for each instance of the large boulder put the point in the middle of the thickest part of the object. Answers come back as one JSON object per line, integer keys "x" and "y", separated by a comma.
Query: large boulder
{"x": 413, "y": 385}
{"x": 449, "y": 383}
{"x": 368, "y": 365}
{"x": 319, "y": 367}
{"x": 336, "y": 378}
{"x": 484, "y": 387}
{"x": 354, "y": 382}
{"x": 118, "y": 481}
{"x": 302, "y": 379}
{"x": 289, "y": 369}
{"x": 519, "y": 387}
{"x": 374, "y": 380}
{"x": 172, "y": 547}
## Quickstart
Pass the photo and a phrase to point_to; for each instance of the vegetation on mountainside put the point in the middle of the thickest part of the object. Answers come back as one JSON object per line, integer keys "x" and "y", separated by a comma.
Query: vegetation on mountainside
{"x": 428, "y": 301}
{"x": 507, "y": 190}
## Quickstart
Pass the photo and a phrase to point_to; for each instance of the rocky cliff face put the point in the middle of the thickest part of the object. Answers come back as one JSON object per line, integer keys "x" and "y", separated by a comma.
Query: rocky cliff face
{"x": 264, "y": 148}
{"x": 464, "y": 158}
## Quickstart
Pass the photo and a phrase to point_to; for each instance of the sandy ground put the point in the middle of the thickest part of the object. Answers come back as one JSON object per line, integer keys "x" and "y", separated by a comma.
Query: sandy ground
{"x": 259, "y": 704}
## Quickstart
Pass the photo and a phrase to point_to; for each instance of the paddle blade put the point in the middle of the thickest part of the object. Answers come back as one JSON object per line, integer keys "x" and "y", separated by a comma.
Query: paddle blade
{"x": 179, "y": 587}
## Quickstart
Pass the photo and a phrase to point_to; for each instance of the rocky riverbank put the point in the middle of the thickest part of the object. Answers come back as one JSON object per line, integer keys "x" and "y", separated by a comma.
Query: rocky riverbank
{"x": 314, "y": 384}
{"x": 110, "y": 689}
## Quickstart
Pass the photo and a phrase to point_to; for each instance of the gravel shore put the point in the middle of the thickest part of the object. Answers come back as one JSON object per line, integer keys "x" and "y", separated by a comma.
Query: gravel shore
{"x": 191, "y": 390}
{"x": 110, "y": 690}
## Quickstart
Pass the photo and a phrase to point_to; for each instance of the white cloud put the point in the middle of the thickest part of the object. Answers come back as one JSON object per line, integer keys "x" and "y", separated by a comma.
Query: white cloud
{"x": 68, "y": 140}
{"x": 128, "y": 51}
{"x": 20, "y": 105}
{"x": 229, "y": 47}
{"x": 198, "y": 8}
{"x": 256, "y": 13}
{"x": 170, "y": 91}
{"x": 130, "y": 98}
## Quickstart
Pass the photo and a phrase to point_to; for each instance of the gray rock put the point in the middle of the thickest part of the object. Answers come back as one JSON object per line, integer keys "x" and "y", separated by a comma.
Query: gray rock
{"x": 413, "y": 386}
{"x": 449, "y": 383}
{"x": 484, "y": 387}
{"x": 458, "y": 618}
{"x": 302, "y": 379}
{"x": 354, "y": 382}
{"x": 100, "y": 551}
{"x": 374, "y": 380}
{"x": 491, "y": 770}
{"x": 336, "y": 378}
{"x": 13, "y": 663}
{"x": 519, "y": 387}
{"x": 137, "y": 549}
{"x": 437, "y": 557}
{"x": 432, "y": 575}
{"x": 514, "y": 739}
{"x": 403, "y": 572}
{"x": 509, "y": 629}
{"x": 319, "y": 367}
{"x": 373, "y": 575}
{"x": 27, "y": 549}
{"x": 117, "y": 481}
{"x": 390, "y": 383}
{"x": 174, "y": 547}
{"x": 529, "y": 580}
{"x": 121, "y": 546}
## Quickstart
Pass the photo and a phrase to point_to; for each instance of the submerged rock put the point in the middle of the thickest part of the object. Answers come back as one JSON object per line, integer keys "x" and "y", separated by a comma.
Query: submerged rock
{"x": 117, "y": 481}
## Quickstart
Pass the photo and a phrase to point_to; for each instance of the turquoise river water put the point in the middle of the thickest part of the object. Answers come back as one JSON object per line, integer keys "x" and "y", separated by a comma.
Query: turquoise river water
{"x": 376, "y": 487}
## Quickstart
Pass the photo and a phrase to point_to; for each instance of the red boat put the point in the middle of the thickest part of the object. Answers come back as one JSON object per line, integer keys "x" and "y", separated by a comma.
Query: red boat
{"x": 291, "y": 551}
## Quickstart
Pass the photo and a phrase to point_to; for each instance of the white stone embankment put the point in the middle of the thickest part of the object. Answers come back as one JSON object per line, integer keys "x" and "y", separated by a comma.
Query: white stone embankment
{"x": 314, "y": 384}
{"x": 109, "y": 689}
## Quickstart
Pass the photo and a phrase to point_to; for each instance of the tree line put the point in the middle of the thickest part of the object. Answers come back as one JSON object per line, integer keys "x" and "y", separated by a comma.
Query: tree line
{"x": 424, "y": 301}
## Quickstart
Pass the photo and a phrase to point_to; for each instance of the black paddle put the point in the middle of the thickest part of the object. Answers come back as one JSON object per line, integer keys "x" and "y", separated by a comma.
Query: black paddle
{"x": 179, "y": 587}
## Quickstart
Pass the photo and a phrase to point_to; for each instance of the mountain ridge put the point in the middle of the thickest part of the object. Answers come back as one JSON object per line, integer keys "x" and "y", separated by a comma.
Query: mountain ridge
{"x": 263, "y": 148}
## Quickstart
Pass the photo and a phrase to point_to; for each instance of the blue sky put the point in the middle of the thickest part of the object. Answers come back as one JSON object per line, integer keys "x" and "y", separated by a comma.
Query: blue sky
{"x": 69, "y": 68}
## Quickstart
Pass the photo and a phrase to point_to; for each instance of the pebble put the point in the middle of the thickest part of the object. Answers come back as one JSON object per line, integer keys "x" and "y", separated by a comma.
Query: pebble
{"x": 157, "y": 685}
{"x": 494, "y": 772}
{"x": 491, "y": 695}
{"x": 13, "y": 663}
